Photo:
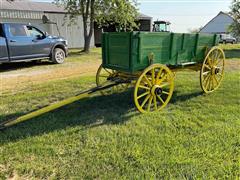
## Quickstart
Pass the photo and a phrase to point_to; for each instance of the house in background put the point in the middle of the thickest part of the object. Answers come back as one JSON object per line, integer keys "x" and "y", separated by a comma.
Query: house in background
{"x": 23, "y": 11}
{"x": 219, "y": 24}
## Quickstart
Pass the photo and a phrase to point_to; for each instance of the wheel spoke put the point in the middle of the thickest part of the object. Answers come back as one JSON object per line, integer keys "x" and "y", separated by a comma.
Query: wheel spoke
{"x": 208, "y": 67}
{"x": 164, "y": 85}
{"x": 219, "y": 75}
{"x": 144, "y": 87}
{"x": 155, "y": 102}
{"x": 165, "y": 92}
{"x": 218, "y": 62}
{"x": 145, "y": 100}
{"x": 153, "y": 76}
{"x": 107, "y": 71}
{"x": 142, "y": 95}
{"x": 162, "y": 79}
{"x": 213, "y": 85}
{"x": 159, "y": 75}
{"x": 147, "y": 80}
{"x": 208, "y": 82}
{"x": 149, "y": 103}
{"x": 206, "y": 73}
{"x": 206, "y": 78}
{"x": 214, "y": 77}
{"x": 209, "y": 61}
{"x": 160, "y": 99}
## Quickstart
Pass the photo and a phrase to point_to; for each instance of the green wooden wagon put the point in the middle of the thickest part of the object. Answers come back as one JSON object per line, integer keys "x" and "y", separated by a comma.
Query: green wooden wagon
{"x": 150, "y": 60}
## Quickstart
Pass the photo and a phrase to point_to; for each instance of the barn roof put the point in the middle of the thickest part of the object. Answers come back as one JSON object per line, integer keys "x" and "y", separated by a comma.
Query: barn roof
{"x": 143, "y": 16}
{"x": 23, "y": 5}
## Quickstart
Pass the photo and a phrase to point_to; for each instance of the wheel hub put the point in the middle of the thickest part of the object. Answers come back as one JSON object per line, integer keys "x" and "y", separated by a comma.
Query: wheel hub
{"x": 156, "y": 90}
{"x": 217, "y": 70}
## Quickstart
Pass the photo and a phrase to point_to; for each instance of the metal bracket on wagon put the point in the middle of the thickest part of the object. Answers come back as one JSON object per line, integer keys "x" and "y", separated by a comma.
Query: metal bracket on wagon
{"x": 151, "y": 57}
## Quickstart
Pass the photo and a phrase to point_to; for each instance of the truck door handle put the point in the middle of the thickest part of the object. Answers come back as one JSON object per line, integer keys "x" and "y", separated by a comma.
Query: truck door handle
{"x": 13, "y": 41}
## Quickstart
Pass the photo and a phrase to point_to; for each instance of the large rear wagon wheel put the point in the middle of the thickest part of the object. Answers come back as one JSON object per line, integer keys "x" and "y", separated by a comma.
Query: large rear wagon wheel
{"x": 212, "y": 71}
{"x": 154, "y": 88}
{"x": 105, "y": 77}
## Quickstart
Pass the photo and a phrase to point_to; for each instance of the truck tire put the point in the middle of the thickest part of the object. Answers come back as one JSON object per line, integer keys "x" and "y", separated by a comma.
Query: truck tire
{"x": 58, "y": 56}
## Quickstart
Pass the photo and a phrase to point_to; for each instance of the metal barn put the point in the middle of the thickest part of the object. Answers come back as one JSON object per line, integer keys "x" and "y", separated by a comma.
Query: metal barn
{"x": 22, "y": 11}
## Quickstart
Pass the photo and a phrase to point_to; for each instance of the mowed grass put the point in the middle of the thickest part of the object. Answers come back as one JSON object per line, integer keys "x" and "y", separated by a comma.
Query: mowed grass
{"x": 104, "y": 137}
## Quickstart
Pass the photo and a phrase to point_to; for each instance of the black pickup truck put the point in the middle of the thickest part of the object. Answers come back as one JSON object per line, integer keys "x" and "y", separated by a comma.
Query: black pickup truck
{"x": 22, "y": 42}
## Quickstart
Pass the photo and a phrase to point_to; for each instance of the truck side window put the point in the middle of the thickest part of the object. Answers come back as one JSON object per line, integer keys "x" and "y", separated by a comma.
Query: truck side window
{"x": 18, "y": 30}
{"x": 34, "y": 32}
{"x": 1, "y": 31}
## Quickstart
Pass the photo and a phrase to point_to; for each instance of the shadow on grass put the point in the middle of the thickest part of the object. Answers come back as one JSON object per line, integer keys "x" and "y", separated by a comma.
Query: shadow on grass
{"x": 22, "y": 65}
{"x": 233, "y": 53}
{"x": 91, "y": 112}
{"x": 184, "y": 97}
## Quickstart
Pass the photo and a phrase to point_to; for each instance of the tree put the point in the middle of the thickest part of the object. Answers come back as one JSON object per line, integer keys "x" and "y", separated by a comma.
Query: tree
{"x": 194, "y": 30}
{"x": 104, "y": 12}
{"x": 235, "y": 12}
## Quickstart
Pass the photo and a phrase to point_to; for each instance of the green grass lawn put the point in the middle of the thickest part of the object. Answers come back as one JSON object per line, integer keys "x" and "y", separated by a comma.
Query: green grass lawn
{"x": 103, "y": 137}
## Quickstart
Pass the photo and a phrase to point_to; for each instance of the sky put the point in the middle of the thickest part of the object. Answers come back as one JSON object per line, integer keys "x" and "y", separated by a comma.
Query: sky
{"x": 183, "y": 14}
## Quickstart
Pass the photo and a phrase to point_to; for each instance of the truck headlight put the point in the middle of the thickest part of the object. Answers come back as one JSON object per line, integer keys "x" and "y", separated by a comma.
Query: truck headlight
{"x": 66, "y": 42}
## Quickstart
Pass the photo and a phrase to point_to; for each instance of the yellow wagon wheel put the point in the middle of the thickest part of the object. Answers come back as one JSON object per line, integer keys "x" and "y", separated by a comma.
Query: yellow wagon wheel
{"x": 106, "y": 76}
{"x": 154, "y": 88}
{"x": 212, "y": 71}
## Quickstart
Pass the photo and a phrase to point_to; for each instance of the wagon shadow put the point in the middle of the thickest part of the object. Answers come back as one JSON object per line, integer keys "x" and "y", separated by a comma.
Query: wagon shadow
{"x": 88, "y": 113}
{"x": 177, "y": 98}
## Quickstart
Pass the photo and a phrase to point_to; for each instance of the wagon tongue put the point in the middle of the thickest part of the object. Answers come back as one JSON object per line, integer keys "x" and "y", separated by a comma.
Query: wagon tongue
{"x": 57, "y": 105}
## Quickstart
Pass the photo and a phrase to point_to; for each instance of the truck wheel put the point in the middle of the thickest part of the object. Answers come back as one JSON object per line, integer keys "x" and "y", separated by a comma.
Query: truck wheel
{"x": 58, "y": 56}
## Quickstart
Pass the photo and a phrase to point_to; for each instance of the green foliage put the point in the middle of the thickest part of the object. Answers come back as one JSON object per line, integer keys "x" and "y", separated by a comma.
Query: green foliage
{"x": 235, "y": 12}
{"x": 122, "y": 13}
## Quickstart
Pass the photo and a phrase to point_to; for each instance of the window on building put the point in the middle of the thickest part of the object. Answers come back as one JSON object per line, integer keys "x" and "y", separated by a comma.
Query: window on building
{"x": 18, "y": 30}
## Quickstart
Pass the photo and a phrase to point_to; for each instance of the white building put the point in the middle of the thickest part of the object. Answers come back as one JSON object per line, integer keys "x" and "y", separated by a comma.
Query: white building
{"x": 218, "y": 24}
{"x": 22, "y": 11}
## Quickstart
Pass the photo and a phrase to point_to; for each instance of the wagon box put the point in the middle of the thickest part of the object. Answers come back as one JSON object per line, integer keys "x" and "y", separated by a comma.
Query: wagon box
{"x": 130, "y": 51}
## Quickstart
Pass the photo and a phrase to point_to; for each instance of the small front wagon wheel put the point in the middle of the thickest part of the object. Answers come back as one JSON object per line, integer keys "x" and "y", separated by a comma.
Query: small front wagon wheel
{"x": 105, "y": 77}
{"x": 154, "y": 88}
{"x": 212, "y": 71}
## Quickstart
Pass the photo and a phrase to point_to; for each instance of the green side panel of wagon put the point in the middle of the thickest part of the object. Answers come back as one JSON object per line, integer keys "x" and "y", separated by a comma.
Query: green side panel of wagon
{"x": 129, "y": 51}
